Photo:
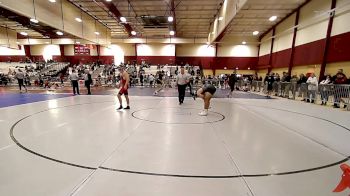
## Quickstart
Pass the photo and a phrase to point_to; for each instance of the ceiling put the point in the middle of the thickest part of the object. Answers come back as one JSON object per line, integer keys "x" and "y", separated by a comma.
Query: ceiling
{"x": 192, "y": 17}
{"x": 255, "y": 14}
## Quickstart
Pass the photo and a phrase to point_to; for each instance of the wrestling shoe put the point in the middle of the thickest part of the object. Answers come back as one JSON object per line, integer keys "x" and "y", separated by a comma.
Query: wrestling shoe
{"x": 203, "y": 113}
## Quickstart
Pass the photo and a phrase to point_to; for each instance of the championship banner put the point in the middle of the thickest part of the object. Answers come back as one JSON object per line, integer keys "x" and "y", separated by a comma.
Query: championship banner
{"x": 81, "y": 49}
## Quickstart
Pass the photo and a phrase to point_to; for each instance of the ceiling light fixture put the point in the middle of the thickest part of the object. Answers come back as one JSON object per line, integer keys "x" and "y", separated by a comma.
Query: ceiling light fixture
{"x": 23, "y": 33}
{"x": 47, "y": 42}
{"x": 172, "y": 32}
{"x": 33, "y": 20}
{"x": 123, "y": 19}
{"x": 59, "y": 33}
{"x": 255, "y": 32}
{"x": 77, "y": 42}
{"x": 97, "y": 33}
{"x": 170, "y": 19}
{"x": 108, "y": 0}
{"x": 16, "y": 42}
{"x": 133, "y": 32}
{"x": 272, "y": 18}
{"x": 52, "y": 1}
{"x": 244, "y": 42}
{"x": 78, "y": 19}
{"x": 221, "y": 18}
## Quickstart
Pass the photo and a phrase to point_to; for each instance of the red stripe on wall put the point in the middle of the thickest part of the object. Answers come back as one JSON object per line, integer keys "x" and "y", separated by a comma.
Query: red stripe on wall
{"x": 339, "y": 48}
{"x": 156, "y": 59}
{"x": 310, "y": 53}
{"x": 12, "y": 58}
{"x": 281, "y": 58}
{"x": 233, "y": 62}
{"x": 204, "y": 62}
{"x": 264, "y": 60}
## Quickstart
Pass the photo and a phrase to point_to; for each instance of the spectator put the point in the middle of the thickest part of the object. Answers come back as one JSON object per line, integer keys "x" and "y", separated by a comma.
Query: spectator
{"x": 324, "y": 89}
{"x": 312, "y": 87}
{"x": 340, "y": 77}
{"x": 88, "y": 81}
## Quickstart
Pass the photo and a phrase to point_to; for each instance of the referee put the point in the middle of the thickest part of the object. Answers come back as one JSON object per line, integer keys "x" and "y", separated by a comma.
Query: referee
{"x": 182, "y": 80}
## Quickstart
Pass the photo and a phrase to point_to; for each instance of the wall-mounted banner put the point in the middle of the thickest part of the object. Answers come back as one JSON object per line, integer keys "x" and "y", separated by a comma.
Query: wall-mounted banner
{"x": 81, "y": 49}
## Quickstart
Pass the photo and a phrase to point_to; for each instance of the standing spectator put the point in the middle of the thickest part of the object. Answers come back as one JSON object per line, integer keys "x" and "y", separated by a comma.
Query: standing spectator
{"x": 312, "y": 87}
{"x": 20, "y": 78}
{"x": 231, "y": 82}
{"x": 88, "y": 81}
{"x": 182, "y": 80}
{"x": 61, "y": 78}
{"x": 269, "y": 81}
{"x": 141, "y": 79}
{"x": 151, "y": 80}
{"x": 340, "y": 77}
{"x": 324, "y": 89}
{"x": 74, "y": 79}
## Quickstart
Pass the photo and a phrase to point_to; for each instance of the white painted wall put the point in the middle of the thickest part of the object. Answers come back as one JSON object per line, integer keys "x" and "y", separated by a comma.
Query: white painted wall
{"x": 127, "y": 49}
{"x": 237, "y": 51}
{"x": 47, "y": 51}
{"x": 155, "y": 50}
{"x": 341, "y": 23}
{"x": 69, "y": 50}
{"x": 195, "y": 50}
{"x": 310, "y": 14}
{"x": 265, "y": 46}
{"x": 4, "y": 51}
{"x": 284, "y": 34}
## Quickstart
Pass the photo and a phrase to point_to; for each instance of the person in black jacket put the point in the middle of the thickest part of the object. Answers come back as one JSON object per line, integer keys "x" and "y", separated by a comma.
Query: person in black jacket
{"x": 269, "y": 80}
{"x": 231, "y": 82}
{"x": 88, "y": 81}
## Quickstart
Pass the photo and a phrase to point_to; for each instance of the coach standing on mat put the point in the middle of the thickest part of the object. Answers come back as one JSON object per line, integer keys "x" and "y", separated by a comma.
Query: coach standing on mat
{"x": 182, "y": 80}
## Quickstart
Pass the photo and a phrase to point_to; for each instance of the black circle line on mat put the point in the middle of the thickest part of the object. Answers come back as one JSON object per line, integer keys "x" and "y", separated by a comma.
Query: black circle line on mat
{"x": 190, "y": 123}
{"x": 163, "y": 174}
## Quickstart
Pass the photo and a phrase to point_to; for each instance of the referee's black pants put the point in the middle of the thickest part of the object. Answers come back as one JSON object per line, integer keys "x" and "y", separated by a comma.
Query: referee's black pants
{"x": 75, "y": 87}
{"x": 182, "y": 90}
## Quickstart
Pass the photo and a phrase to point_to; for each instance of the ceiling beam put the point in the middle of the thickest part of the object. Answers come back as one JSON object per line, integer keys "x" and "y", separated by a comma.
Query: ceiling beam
{"x": 173, "y": 14}
{"x": 116, "y": 13}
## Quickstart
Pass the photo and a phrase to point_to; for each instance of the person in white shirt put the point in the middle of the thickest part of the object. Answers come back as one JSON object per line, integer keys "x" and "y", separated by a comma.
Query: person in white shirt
{"x": 312, "y": 87}
{"x": 182, "y": 80}
{"x": 20, "y": 78}
{"x": 74, "y": 78}
{"x": 325, "y": 89}
{"x": 151, "y": 80}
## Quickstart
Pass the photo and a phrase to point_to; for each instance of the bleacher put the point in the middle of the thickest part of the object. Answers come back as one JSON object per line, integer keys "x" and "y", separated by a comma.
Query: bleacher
{"x": 5, "y": 67}
{"x": 53, "y": 69}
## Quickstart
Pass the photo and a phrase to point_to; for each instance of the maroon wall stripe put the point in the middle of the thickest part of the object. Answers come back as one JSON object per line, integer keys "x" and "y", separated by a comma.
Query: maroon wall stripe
{"x": 339, "y": 48}
{"x": 310, "y": 53}
{"x": 281, "y": 58}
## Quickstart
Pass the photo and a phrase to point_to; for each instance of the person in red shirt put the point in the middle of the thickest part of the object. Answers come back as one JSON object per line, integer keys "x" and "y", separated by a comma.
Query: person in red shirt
{"x": 340, "y": 78}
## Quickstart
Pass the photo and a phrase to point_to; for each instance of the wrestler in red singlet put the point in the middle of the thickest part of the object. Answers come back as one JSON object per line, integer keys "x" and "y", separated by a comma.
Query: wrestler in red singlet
{"x": 124, "y": 88}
